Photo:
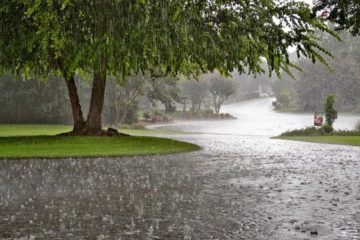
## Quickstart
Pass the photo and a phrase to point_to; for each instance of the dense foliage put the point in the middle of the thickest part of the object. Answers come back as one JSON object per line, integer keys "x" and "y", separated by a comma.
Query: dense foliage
{"x": 166, "y": 91}
{"x": 163, "y": 37}
{"x": 313, "y": 131}
{"x": 315, "y": 82}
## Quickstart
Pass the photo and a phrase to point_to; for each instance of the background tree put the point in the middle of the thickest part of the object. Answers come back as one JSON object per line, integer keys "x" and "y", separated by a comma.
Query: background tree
{"x": 311, "y": 85}
{"x": 121, "y": 100}
{"x": 221, "y": 88}
{"x": 248, "y": 86}
{"x": 330, "y": 112}
{"x": 166, "y": 91}
{"x": 195, "y": 91}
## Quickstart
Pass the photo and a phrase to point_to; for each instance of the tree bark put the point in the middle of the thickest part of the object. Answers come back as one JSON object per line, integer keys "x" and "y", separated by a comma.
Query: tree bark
{"x": 78, "y": 119}
{"x": 93, "y": 124}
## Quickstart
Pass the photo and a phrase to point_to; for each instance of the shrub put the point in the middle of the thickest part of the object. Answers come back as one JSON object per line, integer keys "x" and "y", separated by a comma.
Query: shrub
{"x": 284, "y": 98}
{"x": 147, "y": 115}
{"x": 323, "y": 131}
{"x": 327, "y": 129}
{"x": 330, "y": 113}
{"x": 155, "y": 118}
{"x": 308, "y": 131}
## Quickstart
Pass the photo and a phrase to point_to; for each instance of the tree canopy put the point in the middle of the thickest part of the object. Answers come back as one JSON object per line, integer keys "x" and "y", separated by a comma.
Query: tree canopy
{"x": 316, "y": 82}
{"x": 144, "y": 35}
{"x": 121, "y": 37}
{"x": 221, "y": 88}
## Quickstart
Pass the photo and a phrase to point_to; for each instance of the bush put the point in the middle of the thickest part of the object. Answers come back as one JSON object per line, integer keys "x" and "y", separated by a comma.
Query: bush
{"x": 323, "y": 131}
{"x": 284, "y": 98}
{"x": 155, "y": 118}
{"x": 147, "y": 115}
{"x": 327, "y": 129}
{"x": 308, "y": 131}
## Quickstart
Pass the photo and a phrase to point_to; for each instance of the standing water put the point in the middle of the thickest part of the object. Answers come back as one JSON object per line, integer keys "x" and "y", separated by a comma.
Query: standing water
{"x": 257, "y": 118}
{"x": 242, "y": 185}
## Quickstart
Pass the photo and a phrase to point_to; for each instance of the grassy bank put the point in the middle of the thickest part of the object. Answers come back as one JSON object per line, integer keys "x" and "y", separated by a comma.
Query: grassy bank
{"x": 11, "y": 130}
{"x": 38, "y": 141}
{"x": 320, "y": 135}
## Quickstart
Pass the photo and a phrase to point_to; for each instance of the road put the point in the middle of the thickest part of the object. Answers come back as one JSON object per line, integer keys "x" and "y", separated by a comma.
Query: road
{"x": 241, "y": 185}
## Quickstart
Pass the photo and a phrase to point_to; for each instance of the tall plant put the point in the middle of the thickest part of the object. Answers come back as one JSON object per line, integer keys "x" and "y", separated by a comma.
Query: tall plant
{"x": 330, "y": 112}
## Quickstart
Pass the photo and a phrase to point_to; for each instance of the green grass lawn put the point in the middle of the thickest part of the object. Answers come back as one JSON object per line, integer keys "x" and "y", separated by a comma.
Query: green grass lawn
{"x": 8, "y": 130}
{"x": 38, "y": 141}
{"x": 342, "y": 140}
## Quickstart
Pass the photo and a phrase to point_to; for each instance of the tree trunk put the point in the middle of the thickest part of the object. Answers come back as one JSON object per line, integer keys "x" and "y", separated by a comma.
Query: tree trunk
{"x": 193, "y": 104}
{"x": 216, "y": 105}
{"x": 79, "y": 124}
{"x": 93, "y": 124}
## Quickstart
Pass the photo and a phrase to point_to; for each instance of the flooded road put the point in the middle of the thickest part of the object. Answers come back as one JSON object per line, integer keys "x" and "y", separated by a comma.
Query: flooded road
{"x": 242, "y": 185}
{"x": 257, "y": 118}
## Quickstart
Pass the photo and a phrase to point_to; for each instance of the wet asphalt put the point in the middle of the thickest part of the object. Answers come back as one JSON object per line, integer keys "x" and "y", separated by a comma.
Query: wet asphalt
{"x": 241, "y": 185}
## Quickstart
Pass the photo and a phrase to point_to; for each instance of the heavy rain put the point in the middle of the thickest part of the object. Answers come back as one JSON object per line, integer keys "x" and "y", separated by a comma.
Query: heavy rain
{"x": 179, "y": 120}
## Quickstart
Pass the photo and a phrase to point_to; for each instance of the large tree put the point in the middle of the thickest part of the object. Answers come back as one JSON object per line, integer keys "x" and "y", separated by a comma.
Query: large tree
{"x": 122, "y": 37}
